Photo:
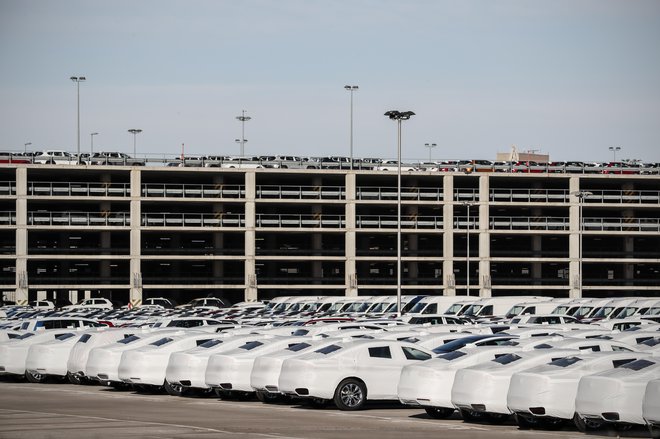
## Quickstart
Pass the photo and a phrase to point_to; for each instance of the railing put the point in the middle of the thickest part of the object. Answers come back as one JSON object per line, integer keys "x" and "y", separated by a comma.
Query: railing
{"x": 407, "y": 193}
{"x": 7, "y": 218}
{"x": 292, "y": 280}
{"x": 528, "y": 223}
{"x": 192, "y": 280}
{"x": 193, "y": 251}
{"x": 82, "y": 189}
{"x": 303, "y": 220}
{"x": 531, "y": 195}
{"x": 461, "y": 222}
{"x": 78, "y": 251}
{"x": 117, "y": 219}
{"x": 391, "y": 221}
{"x": 7, "y": 188}
{"x": 192, "y": 190}
{"x": 193, "y": 219}
{"x": 622, "y": 224}
{"x": 464, "y": 194}
{"x": 78, "y": 280}
{"x": 301, "y": 192}
{"x": 622, "y": 196}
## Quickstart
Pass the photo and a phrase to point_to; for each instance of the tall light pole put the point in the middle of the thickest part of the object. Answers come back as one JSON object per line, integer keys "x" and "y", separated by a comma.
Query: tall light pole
{"x": 430, "y": 146}
{"x": 614, "y": 149}
{"x": 398, "y": 116}
{"x": 351, "y": 89}
{"x": 91, "y": 147}
{"x": 243, "y": 118}
{"x": 78, "y": 80}
{"x": 581, "y": 195}
{"x": 467, "y": 205}
{"x": 25, "y": 145}
{"x": 135, "y": 132}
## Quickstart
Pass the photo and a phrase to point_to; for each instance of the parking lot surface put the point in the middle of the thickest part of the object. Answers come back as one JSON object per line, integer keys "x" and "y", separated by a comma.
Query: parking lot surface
{"x": 68, "y": 411}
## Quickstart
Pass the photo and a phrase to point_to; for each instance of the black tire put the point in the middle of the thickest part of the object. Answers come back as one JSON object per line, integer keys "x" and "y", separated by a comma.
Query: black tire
{"x": 552, "y": 423}
{"x": 74, "y": 379}
{"x": 34, "y": 377}
{"x": 586, "y": 425}
{"x": 267, "y": 397}
{"x": 497, "y": 418}
{"x": 439, "y": 412}
{"x": 118, "y": 385}
{"x": 623, "y": 426}
{"x": 471, "y": 416}
{"x": 174, "y": 389}
{"x": 525, "y": 422}
{"x": 351, "y": 394}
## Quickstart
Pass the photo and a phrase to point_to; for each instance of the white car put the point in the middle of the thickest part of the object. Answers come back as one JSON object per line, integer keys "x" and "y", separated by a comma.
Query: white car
{"x": 77, "y": 363}
{"x": 615, "y": 396}
{"x": 145, "y": 366}
{"x": 231, "y": 370}
{"x": 96, "y": 303}
{"x": 53, "y": 156}
{"x": 651, "y": 404}
{"x": 350, "y": 373}
{"x": 429, "y": 383}
{"x": 546, "y": 394}
{"x": 479, "y": 392}
{"x": 13, "y": 353}
{"x": 188, "y": 368}
{"x": 46, "y": 305}
{"x": 49, "y": 359}
{"x": 103, "y": 361}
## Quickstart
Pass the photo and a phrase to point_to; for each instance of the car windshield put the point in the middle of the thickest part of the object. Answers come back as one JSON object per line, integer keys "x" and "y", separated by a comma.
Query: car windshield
{"x": 210, "y": 343}
{"x": 583, "y": 311}
{"x": 451, "y": 356}
{"x": 651, "y": 341}
{"x": 63, "y": 337}
{"x": 508, "y": 358}
{"x": 24, "y": 336}
{"x": 419, "y": 306}
{"x": 455, "y": 308}
{"x": 251, "y": 345}
{"x": 565, "y": 362}
{"x": 603, "y": 312}
{"x": 472, "y": 310}
{"x": 83, "y": 338}
{"x": 162, "y": 341}
{"x": 638, "y": 365}
{"x": 298, "y": 347}
{"x": 129, "y": 339}
{"x": 514, "y": 311}
{"x": 328, "y": 349}
{"x": 457, "y": 344}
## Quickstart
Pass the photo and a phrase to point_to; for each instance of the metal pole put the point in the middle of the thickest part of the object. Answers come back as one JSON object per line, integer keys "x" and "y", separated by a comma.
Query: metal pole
{"x": 25, "y": 145}
{"x": 91, "y": 149}
{"x": 351, "y": 89}
{"x": 468, "y": 250}
{"x": 78, "y": 87}
{"x": 243, "y": 118}
{"x": 398, "y": 221}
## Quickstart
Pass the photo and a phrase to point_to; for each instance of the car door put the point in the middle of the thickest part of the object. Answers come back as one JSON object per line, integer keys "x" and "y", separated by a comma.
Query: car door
{"x": 379, "y": 370}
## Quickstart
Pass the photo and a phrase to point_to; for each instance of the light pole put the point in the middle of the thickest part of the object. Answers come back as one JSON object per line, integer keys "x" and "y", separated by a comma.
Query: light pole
{"x": 91, "y": 148}
{"x": 243, "y": 118}
{"x": 430, "y": 146}
{"x": 467, "y": 205}
{"x": 135, "y": 132}
{"x": 25, "y": 145}
{"x": 78, "y": 80}
{"x": 398, "y": 116}
{"x": 614, "y": 149}
{"x": 351, "y": 88}
{"x": 581, "y": 195}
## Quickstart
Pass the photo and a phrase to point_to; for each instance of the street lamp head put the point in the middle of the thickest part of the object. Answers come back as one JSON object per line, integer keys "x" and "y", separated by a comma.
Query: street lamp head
{"x": 135, "y": 131}
{"x": 77, "y": 78}
{"x": 399, "y": 115}
{"x": 351, "y": 87}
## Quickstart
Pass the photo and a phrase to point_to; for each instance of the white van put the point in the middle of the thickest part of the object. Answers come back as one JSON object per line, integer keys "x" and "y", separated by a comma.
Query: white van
{"x": 521, "y": 309}
{"x": 434, "y": 305}
{"x": 498, "y": 306}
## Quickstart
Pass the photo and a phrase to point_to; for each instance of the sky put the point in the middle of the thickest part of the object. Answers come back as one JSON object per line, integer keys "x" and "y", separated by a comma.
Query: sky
{"x": 568, "y": 78}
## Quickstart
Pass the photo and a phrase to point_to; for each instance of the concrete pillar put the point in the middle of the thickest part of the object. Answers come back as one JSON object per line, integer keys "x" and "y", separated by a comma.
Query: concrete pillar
{"x": 21, "y": 296}
{"x": 449, "y": 282}
{"x": 574, "y": 239}
{"x": 350, "y": 270}
{"x": 135, "y": 296}
{"x": 410, "y": 244}
{"x": 537, "y": 248}
{"x": 484, "y": 237}
{"x": 218, "y": 240}
{"x": 251, "y": 292}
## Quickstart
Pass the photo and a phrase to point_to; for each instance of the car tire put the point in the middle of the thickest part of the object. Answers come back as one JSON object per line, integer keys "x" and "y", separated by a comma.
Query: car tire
{"x": 267, "y": 397}
{"x": 586, "y": 425}
{"x": 74, "y": 379}
{"x": 351, "y": 394}
{"x": 471, "y": 416}
{"x": 34, "y": 377}
{"x": 439, "y": 412}
{"x": 174, "y": 389}
{"x": 525, "y": 422}
{"x": 497, "y": 418}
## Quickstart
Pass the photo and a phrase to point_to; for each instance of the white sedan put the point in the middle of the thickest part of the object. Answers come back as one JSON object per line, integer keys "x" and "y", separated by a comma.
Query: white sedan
{"x": 13, "y": 353}
{"x": 350, "y": 373}
{"x": 615, "y": 396}
{"x": 546, "y": 394}
{"x": 145, "y": 366}
{"x": 77, "y": 363}
{"x": 480, "y": 391}
{"x": 49, "y": 359}
{"x": 651, "y": 404}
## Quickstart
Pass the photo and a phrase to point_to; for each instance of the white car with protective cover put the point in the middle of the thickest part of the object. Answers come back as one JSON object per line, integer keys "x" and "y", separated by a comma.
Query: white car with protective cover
{"x": 49, "y": 359}
{"x": 350, "y": 373}
{"x": 615, "y": 396}
{"x": 545, "y": 394}
{"x": 77, "y": 362}
{"x": 13, "y": 353}
{"x": 651, "y": 405}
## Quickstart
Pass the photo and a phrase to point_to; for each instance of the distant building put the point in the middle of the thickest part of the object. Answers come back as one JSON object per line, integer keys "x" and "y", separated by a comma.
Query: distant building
{"x": 525, "y": 156}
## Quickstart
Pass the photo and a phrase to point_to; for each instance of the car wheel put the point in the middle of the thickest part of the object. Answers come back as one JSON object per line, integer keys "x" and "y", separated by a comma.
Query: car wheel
{"x": 267, "y": 397}
{"x": 552, "y": 423}
{"x": 350, "y": 394}
{"x": 34, "y": 377}
{"x": 73, "y": 379}
{"x": 439, "y": 412}
{"x": 471, "y": 416}
{"x": 497, "y": 418}
{"x": 525, "y": 422}
{"x": 586, "y": 424}
{"x": 174, "y": 389}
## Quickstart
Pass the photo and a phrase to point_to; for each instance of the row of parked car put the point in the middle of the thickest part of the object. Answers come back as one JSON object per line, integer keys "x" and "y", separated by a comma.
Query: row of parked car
{"x": 545, "y": 362}
{"x": 333, "y": 162}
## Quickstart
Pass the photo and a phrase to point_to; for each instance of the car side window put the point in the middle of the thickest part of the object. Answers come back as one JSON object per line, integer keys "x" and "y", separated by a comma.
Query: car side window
{"x": 380, "y": 352}
{"x": 415, "y": 354}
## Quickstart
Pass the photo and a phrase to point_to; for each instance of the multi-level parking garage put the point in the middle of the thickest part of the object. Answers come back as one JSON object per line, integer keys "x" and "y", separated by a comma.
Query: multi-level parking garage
{"x": 134, "y": 232}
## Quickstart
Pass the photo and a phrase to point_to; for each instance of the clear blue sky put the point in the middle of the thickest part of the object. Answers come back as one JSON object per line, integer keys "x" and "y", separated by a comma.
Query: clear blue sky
{"x": 568, "y": 77}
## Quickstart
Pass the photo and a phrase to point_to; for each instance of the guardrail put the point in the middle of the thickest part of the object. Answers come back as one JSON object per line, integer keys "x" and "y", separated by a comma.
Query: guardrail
{"x": 302, "y": 220}
{"x": 528, "y": 223}
{"x": 530, "y": 195}
{"x": 116, "y": 219}
{"x": 7, "y": 188}
{"x": 158, "y": 190}
{"x": 301, "y": 192}
{"x": 407, "y": 193}
{"x": 622, "y": 196}
{"x": 391, "y": 221}
{"x": 622, "y": 224}
{"x": 79, "y": 189}
{"x": 166, "y": 219}
{"x": 8, "y": 218}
